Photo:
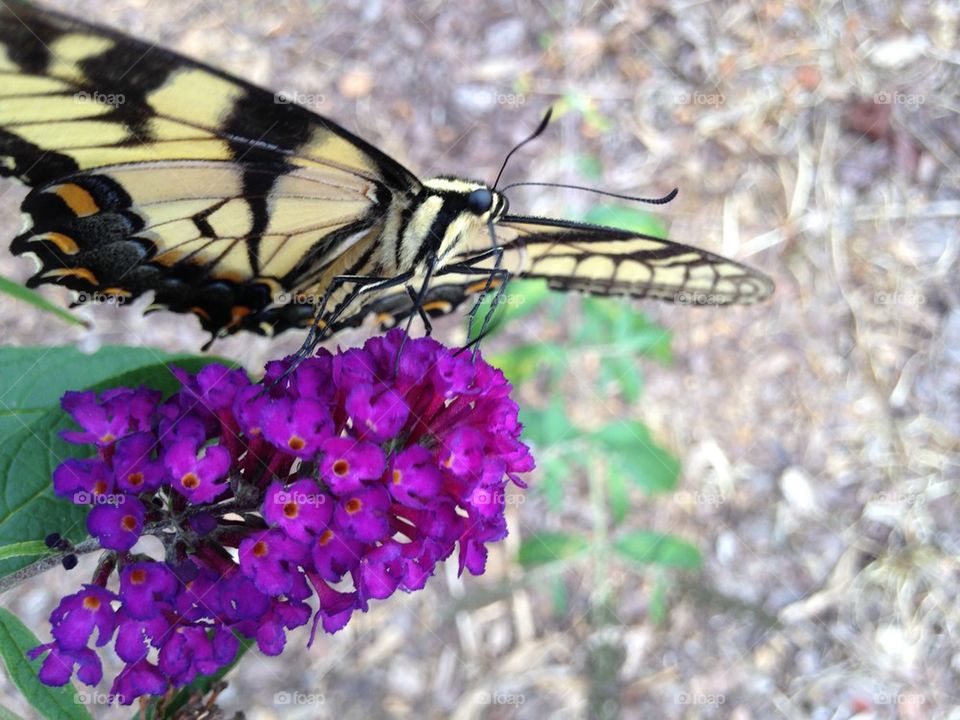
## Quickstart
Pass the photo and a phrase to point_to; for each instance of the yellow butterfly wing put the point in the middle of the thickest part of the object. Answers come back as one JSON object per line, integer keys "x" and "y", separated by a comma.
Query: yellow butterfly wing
{"x": 152, "y": 172}
{"x": 587, "y": 258}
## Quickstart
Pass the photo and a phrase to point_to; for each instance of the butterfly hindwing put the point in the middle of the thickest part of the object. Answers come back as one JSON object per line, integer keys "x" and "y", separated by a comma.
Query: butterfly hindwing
{"x": 154, "y": 172}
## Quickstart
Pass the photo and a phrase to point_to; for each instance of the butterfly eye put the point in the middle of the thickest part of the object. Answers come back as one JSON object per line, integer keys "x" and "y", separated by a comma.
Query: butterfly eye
{"x": 479, "y": 201}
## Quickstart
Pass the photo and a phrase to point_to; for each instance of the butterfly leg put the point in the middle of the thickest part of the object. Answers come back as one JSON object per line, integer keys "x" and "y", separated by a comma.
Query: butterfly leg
{"x": 323, "y": 326}
{"x": 417, "y": 306}
{"x": 427, "y": 325}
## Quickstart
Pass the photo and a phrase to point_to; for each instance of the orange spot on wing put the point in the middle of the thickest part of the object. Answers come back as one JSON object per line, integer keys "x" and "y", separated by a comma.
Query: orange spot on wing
{"x": 480, "y": 285}
{"x": 81, "y": 273}
{"x": 200, "y": 312}
{"x": 65, "y": 244}
{"x": 80, "y": 202}
{"x": 441, "y": 305}
{"x": 117, "y": 292}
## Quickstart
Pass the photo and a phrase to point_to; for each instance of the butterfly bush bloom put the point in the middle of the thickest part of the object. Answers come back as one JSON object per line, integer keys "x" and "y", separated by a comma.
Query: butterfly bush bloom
{"x": 355, "y": 473}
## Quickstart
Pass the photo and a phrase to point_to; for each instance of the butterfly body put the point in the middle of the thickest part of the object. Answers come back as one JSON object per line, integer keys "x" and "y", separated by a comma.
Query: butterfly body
{"x": 155, "y": 174}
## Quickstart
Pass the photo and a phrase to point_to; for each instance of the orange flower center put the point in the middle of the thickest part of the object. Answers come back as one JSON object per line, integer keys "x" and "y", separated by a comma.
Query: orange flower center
{"x": 129, "y": 523}
{"x": 190, "y": 481}
{"x": 291, "y": 510}
{"x": 138, "y": 576}
{"x": 397, "y": 477}
{"x": 260, "y": 549}
{"x": 341, "y": 467}
{"x": 135, "y": 478}
{"x": 296, "y": 442}
{"x": 353, "y": 506}
{"x": 91, "y": 603}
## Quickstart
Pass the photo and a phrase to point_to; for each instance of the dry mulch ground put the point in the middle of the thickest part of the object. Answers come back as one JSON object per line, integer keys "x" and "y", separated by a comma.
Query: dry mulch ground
{"x": 818, "y": 141}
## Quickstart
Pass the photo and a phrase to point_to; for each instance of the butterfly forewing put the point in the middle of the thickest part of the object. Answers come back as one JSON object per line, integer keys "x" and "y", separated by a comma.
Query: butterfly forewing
{"x": 154, "y": 172}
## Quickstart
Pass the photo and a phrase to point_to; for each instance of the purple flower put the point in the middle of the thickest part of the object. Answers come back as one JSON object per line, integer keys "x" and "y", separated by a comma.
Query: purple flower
{"x": 334, "y": 555}
{"x": 135, "y": 469}
{"x": 363, "y": 515}
{"x": 377, "y": 413}
{"x": 78, "y": 615}
{"x": 109, "y": 416}
{"x": 135, "y": 634}
{"x": 83, "y": 481}
{"x": 415, "y": 479}
{"x": 297, "y": 426}
{"x": 136, "y": 679}
{"x": 57, "y": 667}
{"x": 197, "y": 472}
{"x": 359, "y": 469}
{"x": 347, "y": 464}
{"x": 301, "y": 509}
{"x": 146, "y": 588}
{"x": 117, "y": 526}
{"x": 269, "y": 558}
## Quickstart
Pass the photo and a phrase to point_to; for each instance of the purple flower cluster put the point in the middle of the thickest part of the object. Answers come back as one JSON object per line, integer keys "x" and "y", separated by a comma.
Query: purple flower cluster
{"x": 350, "y": 476}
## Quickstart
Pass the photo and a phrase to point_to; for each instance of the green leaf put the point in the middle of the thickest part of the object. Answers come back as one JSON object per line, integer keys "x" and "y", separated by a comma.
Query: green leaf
{"x": 618, "y": 495}
{"x": 559, "y": 596}
{"x": 520, "y": 298}
{"x": 34, "y": 379}
{"x": 199, "y": 687}
{"x": 646, "y": 339}
{"x": 31, "y": 548}
{"x": 522, "y": 363}
{"x": 8, "y": 714}
{"x": 626, "y": 218}
{"x": 551, "y": 547}
{"x": 630, "y": 447}
{"x": 56, "y": 703}
{"x": 32, "y": 297}
{"x": 625, "y": 374}
{"x": 30, "y": 443}
{"x": 589, "y": 166}
{"x": 549, "y": 426}
{"x": 652, "y": 548}
{"x": 555, "y": 472}
{"x": 657, "y": 606}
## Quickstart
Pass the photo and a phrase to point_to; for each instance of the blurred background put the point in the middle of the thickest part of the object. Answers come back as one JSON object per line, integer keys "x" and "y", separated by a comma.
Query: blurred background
{"x": 738, "y": 512}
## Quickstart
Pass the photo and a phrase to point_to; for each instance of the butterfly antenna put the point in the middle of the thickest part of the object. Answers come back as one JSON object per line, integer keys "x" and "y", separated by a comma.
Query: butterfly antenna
{"x": 633, "y": 198}
{"x": 533, "y": 136}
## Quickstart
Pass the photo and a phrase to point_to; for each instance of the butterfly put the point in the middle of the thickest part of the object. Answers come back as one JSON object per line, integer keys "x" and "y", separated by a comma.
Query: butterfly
{"x": 153, "y": 173}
